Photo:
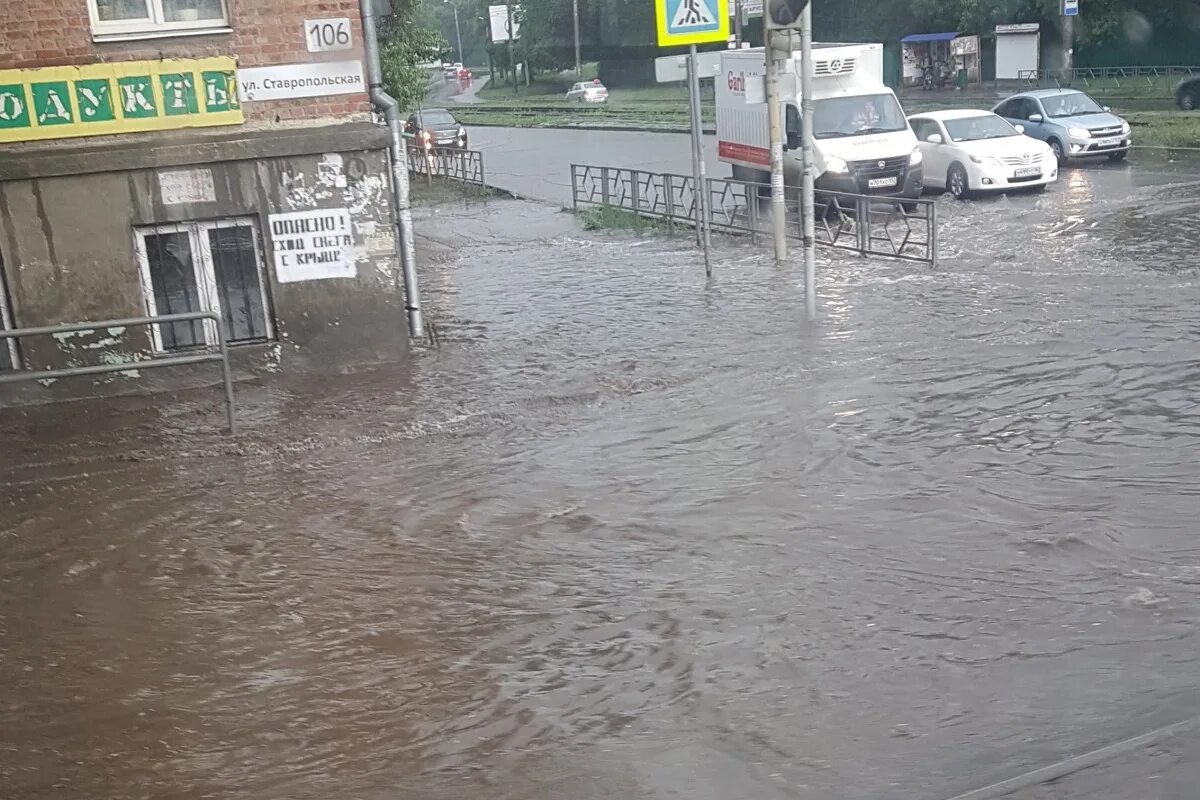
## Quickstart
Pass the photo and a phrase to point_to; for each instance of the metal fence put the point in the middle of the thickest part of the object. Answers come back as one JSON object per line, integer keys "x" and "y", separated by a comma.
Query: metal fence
{"x": 866, "y": 224}
{"x": 164, "y": 360}
{"x": 451, "y": 164}
{"x": 1109, "y": 77}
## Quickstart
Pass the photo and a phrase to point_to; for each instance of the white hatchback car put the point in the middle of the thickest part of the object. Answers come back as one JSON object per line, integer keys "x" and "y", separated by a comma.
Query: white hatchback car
{"x": 588, "y": 92}
{"x": 969, "y": 152}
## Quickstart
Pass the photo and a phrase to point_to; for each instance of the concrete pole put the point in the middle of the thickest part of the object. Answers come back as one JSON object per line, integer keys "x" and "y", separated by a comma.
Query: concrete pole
{"x": 458, "y": 33}
{"x": 1068, "y": 45}
{"x": 578, "y": 50}
{"x": 511, "y": 63}
{"x": 699, "y": 170}
{"x": 736, "y": 5}
{"x": 807, "y": 194}
{"x": 775, "y": 138}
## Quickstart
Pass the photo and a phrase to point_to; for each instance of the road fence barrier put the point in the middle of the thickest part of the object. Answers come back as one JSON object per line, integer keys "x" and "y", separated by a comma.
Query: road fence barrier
{"x": 447, "y": 163}
{"x": 1108, "y": 77}
{"x": 160, "y": 360}
{"x": 870, "y": 225}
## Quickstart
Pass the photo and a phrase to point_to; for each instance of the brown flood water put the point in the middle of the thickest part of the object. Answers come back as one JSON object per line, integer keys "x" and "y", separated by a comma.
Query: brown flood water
{"x": 628, "y": 536}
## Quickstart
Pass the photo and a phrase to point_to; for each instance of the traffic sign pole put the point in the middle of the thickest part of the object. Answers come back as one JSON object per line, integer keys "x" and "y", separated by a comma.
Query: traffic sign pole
{"x": 693, "y": 22}
{"x": 698, "y": 169}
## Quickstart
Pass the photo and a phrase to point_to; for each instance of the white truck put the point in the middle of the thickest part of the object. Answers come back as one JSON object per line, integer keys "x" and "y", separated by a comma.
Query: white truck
{"x": 863, "y": 142}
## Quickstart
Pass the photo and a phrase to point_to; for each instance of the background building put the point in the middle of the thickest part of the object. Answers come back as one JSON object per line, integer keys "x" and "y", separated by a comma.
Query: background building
{"x": 161, "y": 156}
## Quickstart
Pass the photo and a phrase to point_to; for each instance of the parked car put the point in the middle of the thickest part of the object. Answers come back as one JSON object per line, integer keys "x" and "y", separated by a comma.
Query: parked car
{"x": 588, "y": 92}
{"x": 436, "y": 127}
{"x": 1187, "y": 94}
{"x": 1073, "y": 124}
{"x": 969, "y": 152}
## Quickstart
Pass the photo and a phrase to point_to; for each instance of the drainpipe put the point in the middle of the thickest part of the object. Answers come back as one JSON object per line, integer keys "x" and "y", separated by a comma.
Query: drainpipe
{"x": 398, "y": 153}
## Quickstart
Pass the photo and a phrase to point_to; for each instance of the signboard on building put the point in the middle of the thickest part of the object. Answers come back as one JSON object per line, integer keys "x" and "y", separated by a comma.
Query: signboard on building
{"x": 291, "y": 81}
{"x": 312, "y": 245}
{"x": 324, "y": 35}
{"x": 120, "y": 97}
{"x": 498, "y": 17}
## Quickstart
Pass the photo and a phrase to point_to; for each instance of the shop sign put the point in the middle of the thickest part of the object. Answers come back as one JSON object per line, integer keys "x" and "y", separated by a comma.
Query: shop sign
{"x": 119, "y": 97}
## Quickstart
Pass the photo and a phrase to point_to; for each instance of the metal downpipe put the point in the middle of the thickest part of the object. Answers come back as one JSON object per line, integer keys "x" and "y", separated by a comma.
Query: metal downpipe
{"x": 398, "y": 156}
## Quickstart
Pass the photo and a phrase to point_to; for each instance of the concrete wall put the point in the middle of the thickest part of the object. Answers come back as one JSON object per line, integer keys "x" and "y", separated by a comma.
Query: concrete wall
{"x": 68, "y": 249}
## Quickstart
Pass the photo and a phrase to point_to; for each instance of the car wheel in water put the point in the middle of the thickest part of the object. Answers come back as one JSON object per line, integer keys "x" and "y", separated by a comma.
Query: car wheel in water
{"x": 1059, "y": 152}
{"x": 958, "y": 183}
{"x": 1118, "y": 157}
{"x": 1188, "y": 101}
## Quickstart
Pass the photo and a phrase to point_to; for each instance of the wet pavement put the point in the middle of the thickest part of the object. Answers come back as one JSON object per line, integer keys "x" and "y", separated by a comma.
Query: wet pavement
{"x": 627, "y": 535}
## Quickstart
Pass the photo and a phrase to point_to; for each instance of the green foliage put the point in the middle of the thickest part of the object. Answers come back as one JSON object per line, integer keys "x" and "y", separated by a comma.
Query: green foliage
{"x": 405, "y": 44}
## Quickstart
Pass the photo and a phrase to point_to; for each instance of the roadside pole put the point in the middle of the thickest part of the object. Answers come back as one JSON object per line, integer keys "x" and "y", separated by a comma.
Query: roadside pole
{"x": 736, "y": 5}
{"x": 775, "y": 139}
{"x": 698, "y": 169}
{"x": 458, "y": 33}
{"x": 808, "y": 168}
{"x": 693, "y": 22}
{"x": 1070, "y": 9}
{"x": 578, "y": 53}
{"x": 511, "y": 63}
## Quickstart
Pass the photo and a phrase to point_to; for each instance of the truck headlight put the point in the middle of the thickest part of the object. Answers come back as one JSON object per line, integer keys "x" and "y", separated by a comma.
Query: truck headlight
{"x": 1079, "y": 133}
{"x": 837, "y": 166}
{"x": 916, "y": 157}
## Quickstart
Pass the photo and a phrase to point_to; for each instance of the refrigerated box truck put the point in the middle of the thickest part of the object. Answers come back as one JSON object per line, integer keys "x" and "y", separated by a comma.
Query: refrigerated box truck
{"x": 863, "y": 143}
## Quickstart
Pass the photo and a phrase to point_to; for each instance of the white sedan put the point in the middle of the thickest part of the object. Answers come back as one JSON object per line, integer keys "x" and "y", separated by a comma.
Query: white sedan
{"x": 969, "y": 152}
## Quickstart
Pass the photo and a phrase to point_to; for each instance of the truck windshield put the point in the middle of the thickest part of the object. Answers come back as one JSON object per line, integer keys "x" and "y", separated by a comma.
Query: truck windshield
{"x": 854, "y": 116}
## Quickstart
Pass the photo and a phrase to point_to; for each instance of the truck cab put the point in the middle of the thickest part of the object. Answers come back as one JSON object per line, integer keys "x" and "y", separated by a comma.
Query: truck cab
{"x": 863, "y": 143}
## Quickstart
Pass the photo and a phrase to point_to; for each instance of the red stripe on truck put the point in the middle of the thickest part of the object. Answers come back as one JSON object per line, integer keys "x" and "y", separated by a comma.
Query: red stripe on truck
{"x": 744, "y": 152}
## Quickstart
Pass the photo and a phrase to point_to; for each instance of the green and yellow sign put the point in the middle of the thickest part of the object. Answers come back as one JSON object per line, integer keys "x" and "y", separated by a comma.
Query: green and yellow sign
{"x": 122, "y": 97}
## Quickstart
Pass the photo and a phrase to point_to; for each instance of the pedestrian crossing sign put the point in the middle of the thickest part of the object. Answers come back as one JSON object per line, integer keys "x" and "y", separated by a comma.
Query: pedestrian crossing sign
{"x": 683, "y": 22}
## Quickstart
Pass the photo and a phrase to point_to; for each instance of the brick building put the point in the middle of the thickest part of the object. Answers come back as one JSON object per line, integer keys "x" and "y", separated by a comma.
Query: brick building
{"x": 159, "y": 156}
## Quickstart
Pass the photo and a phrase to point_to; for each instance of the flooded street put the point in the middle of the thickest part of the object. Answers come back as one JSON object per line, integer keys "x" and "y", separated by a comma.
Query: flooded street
{"x": 628, "y": 536}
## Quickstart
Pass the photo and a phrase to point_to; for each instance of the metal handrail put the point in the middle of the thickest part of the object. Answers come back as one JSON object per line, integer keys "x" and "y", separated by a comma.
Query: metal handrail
{"x": 222, "y": 354}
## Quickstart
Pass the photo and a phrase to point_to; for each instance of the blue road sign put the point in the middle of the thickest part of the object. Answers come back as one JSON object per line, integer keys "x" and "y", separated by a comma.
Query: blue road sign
{"x": 1070, "y": 8}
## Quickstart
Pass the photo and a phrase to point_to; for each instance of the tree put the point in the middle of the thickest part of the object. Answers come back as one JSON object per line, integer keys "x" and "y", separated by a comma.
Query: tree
{"x": 405, "y": 44}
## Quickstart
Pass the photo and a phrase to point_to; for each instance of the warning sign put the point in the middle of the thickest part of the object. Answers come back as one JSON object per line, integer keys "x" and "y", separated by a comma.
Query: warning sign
{"x": 691, "y": 21}
{"x": 312, "y": 245}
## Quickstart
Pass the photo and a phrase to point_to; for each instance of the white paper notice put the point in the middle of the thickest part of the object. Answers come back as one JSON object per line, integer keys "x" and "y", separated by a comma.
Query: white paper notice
{"x": 313, "y": 245}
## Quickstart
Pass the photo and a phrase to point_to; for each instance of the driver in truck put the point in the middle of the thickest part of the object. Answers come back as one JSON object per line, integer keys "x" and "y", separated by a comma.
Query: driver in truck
{"x": 866, "y": 117}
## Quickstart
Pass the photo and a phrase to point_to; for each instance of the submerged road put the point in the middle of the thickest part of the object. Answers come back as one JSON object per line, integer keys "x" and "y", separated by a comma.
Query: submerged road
{"x": 629, "y": 536}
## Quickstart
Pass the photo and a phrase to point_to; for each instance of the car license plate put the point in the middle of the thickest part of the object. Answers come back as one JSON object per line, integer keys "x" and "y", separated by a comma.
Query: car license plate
{"x": 880, "y": 183}
{"x": 1108, "y": 142}
{"x": 1025, "y": 172}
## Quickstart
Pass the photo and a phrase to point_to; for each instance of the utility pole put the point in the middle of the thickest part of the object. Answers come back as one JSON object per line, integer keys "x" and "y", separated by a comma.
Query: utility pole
{"x": 578, "y": 52}
{"x": 458, "y": 33}
{"x": 511, "y": 63}
{"x": 736, "y": 6}
{"x": 807, "y": 193}
{"x": 775, "y": 40}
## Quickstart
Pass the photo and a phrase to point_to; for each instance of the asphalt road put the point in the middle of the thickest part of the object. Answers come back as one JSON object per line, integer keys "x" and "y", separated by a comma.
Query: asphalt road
{"x": 536, "y": 163}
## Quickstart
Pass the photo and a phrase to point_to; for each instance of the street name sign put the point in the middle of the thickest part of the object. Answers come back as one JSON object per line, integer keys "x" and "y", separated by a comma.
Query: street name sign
{"x": 687, "y": 22}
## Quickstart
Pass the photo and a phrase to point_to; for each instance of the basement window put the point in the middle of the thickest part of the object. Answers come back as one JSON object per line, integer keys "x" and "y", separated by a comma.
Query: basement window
{"x": 148, "y": 19}
{"x": 204, "y": 266}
